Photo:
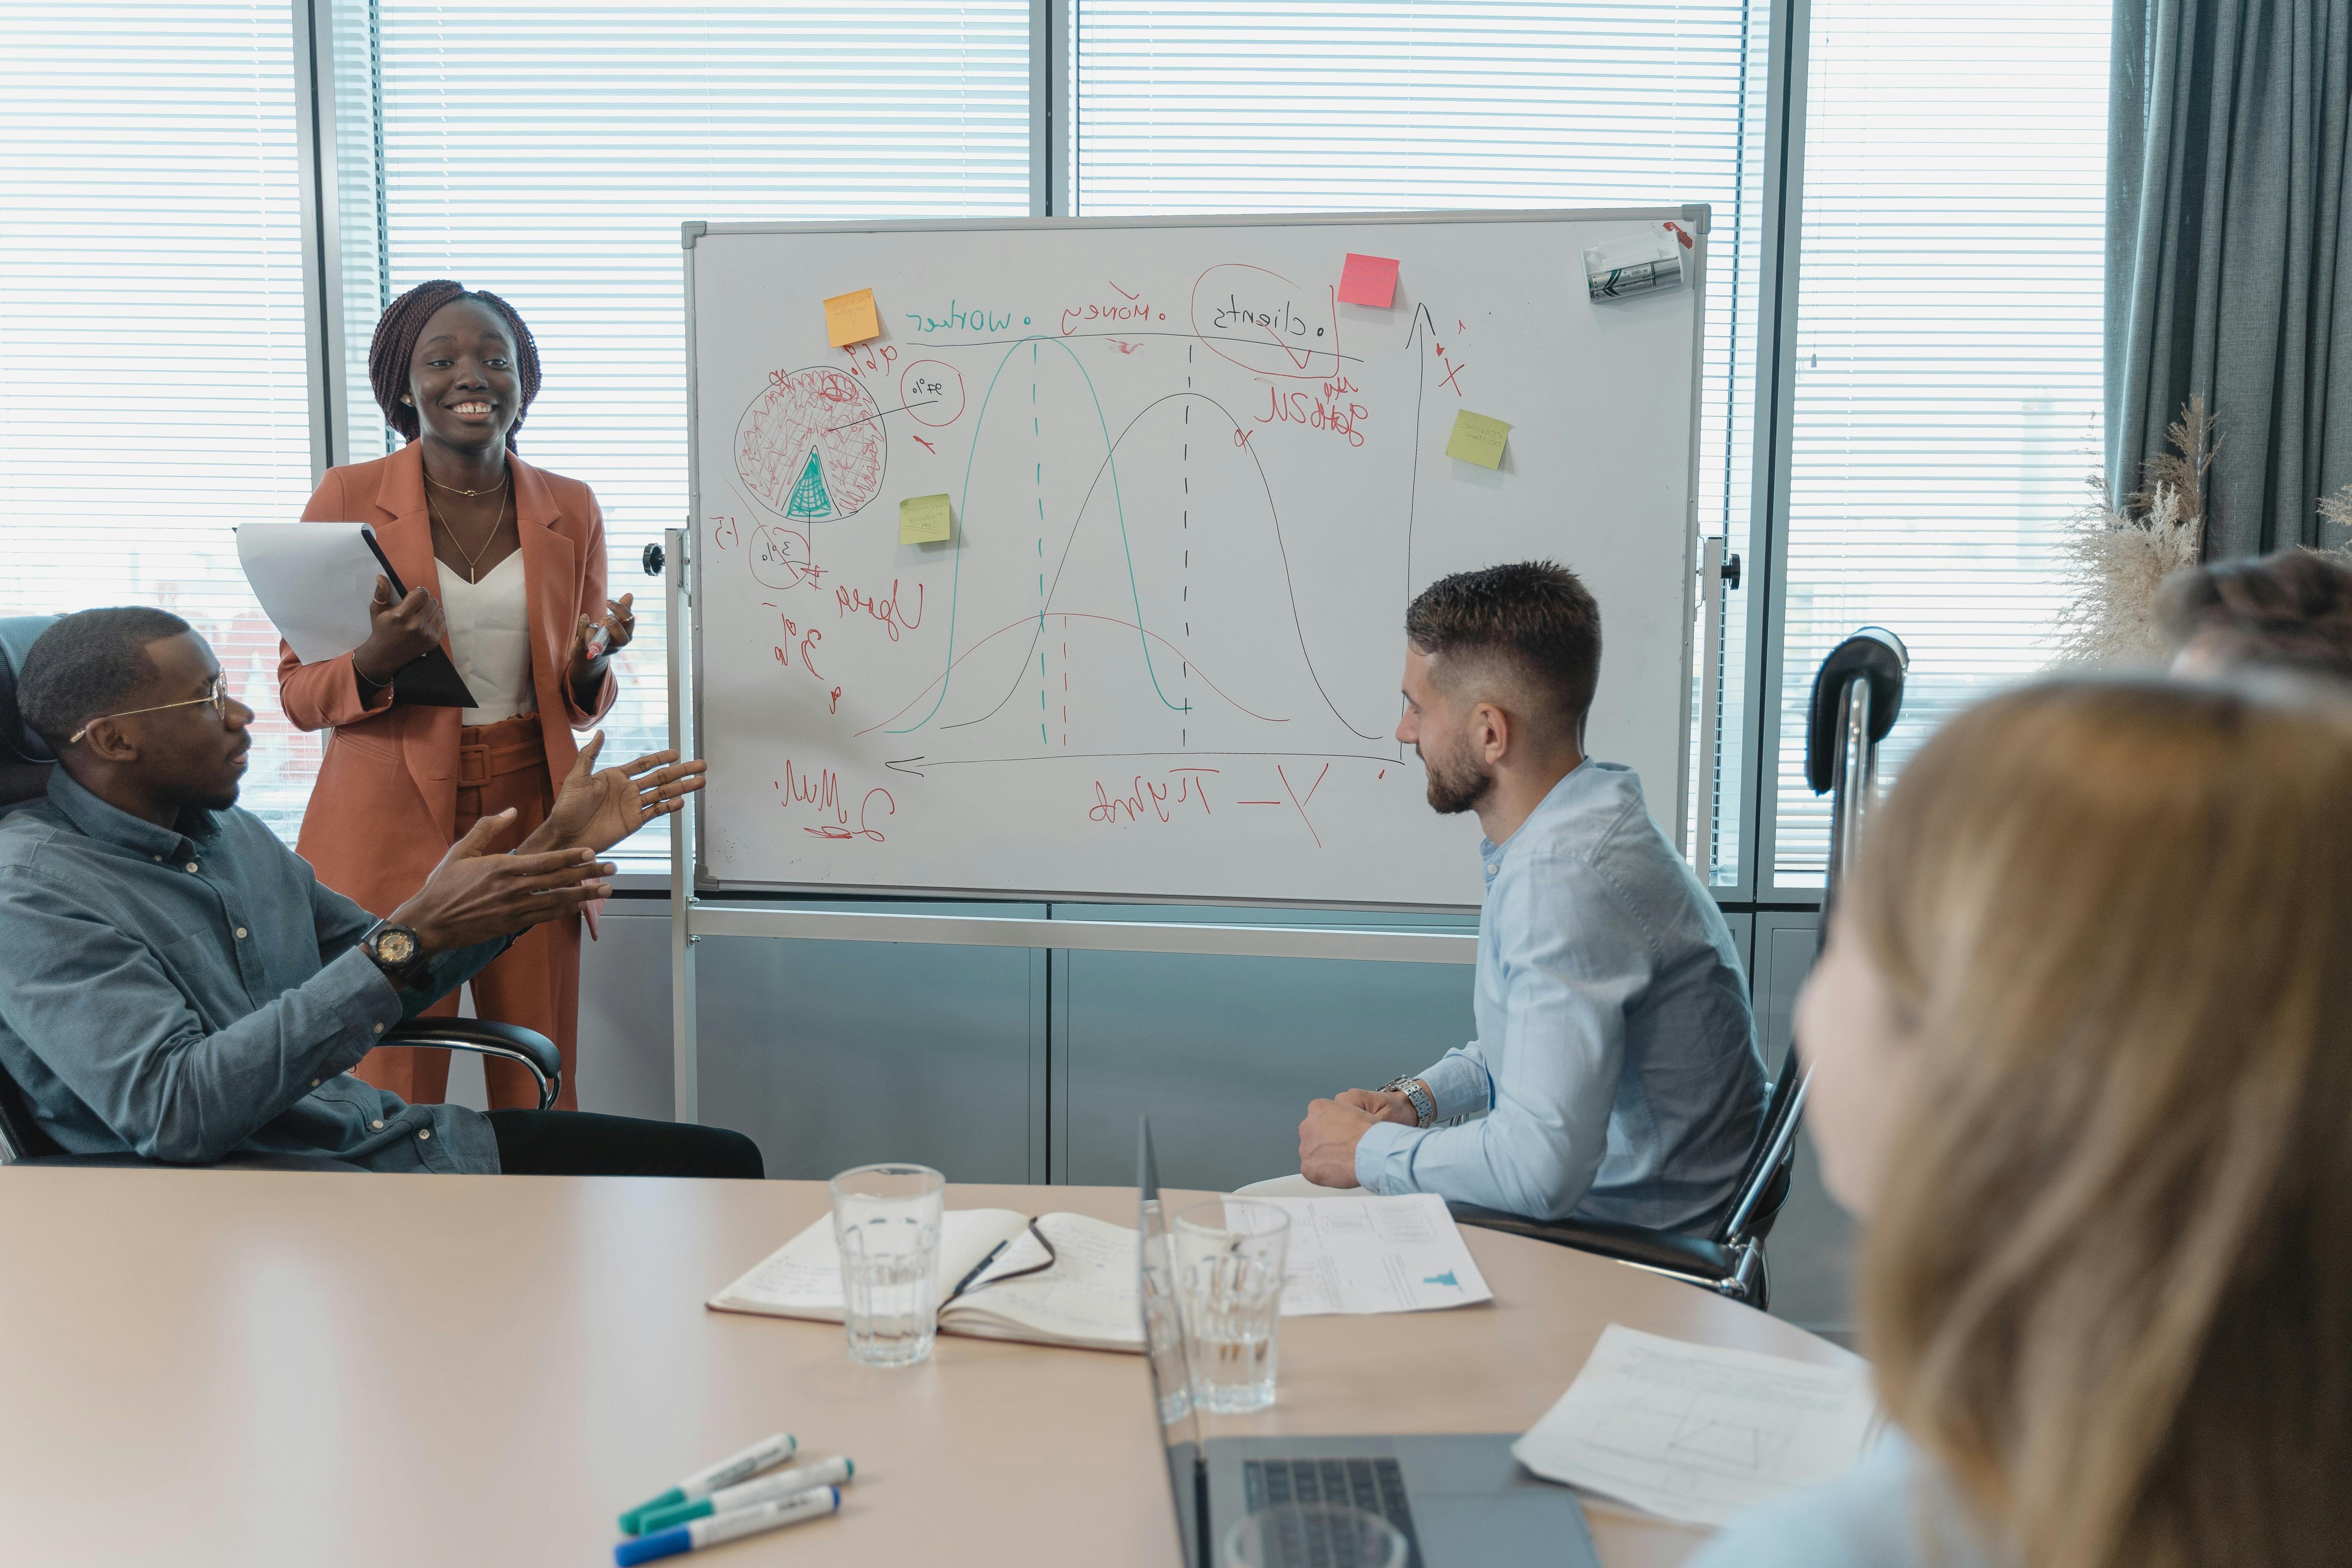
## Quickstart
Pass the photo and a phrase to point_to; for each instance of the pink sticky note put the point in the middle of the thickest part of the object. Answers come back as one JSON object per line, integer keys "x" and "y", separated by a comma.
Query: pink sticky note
{"x": 1367, "y": 281}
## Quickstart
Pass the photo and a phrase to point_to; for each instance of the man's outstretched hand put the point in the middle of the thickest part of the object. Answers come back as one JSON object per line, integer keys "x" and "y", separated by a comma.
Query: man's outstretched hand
{"x": 475, "y": 895}
{"x": 594, "y": 811}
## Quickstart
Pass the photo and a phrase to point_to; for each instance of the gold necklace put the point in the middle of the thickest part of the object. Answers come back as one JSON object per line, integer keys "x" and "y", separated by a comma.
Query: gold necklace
{"x": 504, "y": 480}
{"x": 473, "y": 557}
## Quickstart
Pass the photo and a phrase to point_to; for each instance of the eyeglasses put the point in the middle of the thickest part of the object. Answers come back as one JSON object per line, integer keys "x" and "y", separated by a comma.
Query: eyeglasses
{"x": 216, "y": 694}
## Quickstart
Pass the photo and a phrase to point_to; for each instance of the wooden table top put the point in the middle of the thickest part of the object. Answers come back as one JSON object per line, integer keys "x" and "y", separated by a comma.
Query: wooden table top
{"x": 255, "y": 1367}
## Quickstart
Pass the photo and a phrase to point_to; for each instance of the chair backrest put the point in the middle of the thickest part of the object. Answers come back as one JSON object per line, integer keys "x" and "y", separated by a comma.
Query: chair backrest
{"x": 1857, "y": 695}
{"x": 25, "y": 758}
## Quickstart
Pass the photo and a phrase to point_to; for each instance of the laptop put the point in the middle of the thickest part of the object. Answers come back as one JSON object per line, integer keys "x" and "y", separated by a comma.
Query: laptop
{"x": 1458, "y": 1498}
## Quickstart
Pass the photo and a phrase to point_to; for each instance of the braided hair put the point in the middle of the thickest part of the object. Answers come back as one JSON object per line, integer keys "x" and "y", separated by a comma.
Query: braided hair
{"x": 394, "y": 348}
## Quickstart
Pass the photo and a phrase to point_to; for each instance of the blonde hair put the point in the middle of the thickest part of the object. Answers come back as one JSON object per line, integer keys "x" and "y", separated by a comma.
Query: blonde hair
{"x": 2109, "y": 1284}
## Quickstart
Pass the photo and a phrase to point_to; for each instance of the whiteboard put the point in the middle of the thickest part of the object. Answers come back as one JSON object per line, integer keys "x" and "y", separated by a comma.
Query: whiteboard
{"x": 1191, "y": 495}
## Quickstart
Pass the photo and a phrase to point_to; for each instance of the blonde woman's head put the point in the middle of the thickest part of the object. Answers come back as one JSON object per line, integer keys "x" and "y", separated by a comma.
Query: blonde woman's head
{"x": 2082, "y": 1050}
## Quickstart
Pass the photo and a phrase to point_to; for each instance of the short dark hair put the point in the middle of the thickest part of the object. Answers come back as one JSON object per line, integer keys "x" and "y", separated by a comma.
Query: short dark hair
{"x": 83, "y": 667}
{"x": 2289, "y": 610}
{"x": 1535, "y": 618}
{"x": 394, "y": 348}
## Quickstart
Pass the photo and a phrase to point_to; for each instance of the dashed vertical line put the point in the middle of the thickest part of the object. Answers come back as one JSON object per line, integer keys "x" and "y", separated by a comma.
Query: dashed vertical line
{"x": 1039, "y": 472}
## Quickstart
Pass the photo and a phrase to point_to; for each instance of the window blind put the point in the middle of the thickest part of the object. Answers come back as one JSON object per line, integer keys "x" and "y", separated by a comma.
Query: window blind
{"x": 1370, "y": 105}
{"x": 154, "y": 389}
{"x": 549, "y": 150}
{"x": 1948, "y": 388}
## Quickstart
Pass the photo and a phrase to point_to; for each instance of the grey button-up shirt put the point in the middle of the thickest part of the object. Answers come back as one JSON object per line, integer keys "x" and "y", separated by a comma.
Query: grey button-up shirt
{"x": 1616, "y": 1059}
{"x": 188, "y": 995}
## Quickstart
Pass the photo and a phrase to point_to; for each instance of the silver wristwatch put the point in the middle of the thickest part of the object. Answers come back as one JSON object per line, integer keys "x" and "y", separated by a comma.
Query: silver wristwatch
{"x": 1424, "y": 1108}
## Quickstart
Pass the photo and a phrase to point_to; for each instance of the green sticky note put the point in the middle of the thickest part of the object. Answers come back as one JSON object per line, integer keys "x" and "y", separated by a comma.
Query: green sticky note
{"x": 1477, "y": 440}
{"x": 924, "y": 520}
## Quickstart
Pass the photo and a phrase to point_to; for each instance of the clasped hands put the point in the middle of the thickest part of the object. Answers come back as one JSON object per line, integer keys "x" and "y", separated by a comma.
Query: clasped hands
{"x": 476, "y": 894}
{"x": 1328, "y": 1138}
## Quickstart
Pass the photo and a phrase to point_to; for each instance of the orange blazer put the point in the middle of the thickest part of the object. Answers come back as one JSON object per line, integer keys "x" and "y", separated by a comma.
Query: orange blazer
{"x": 384, "y": 809}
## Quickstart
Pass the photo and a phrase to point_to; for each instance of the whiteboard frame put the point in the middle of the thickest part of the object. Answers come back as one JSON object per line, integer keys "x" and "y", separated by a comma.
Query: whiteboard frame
{"x": 1697, "y": 215}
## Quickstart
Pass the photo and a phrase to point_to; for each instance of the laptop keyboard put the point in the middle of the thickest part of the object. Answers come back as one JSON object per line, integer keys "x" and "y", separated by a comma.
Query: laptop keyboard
{"x": 1375, "y": 1486}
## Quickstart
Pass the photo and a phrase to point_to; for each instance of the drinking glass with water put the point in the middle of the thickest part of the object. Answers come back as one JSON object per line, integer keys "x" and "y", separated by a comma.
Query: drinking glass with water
{"x": 886, "y": 1223}
{"x": 1229, "y": 1263}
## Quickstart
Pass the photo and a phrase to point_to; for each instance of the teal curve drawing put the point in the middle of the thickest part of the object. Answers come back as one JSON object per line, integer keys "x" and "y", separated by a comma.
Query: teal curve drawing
{"x": 809, "y": 499}
{"x": 955, "y": 584}
{"x": 1445, "y": 1279}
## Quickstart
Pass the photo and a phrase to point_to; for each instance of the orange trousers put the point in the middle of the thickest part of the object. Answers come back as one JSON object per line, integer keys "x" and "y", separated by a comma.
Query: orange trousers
{"x": 535, "y": 982}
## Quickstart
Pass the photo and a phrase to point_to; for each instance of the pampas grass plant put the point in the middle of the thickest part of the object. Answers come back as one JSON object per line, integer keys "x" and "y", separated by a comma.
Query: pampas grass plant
{"x": 2116, "y": 554}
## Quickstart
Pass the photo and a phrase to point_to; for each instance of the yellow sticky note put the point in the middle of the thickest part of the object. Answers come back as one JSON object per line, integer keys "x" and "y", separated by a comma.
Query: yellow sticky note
{"x": 924, "y": 520}
{"x": 850, "y": 319}
{"x": 1477, "y": 440}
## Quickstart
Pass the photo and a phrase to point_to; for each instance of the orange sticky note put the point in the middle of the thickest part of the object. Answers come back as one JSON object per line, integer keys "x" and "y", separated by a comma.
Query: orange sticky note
{"x": 1367, "y": 281}
{"x": 851, "y": 319}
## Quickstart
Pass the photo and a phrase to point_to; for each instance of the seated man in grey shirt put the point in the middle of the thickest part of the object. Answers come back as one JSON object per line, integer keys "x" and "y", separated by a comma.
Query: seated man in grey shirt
{"x": 1616, "y": 1062}
{"x": 175, "y": 983}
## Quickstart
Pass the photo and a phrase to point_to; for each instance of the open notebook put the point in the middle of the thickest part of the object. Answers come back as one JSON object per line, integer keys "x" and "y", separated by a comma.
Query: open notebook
{"x": 1087, "y": 1300}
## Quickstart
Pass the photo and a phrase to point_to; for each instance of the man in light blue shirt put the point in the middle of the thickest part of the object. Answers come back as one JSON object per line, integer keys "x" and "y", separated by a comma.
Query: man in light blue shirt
{"x": 1615, "y": 1064}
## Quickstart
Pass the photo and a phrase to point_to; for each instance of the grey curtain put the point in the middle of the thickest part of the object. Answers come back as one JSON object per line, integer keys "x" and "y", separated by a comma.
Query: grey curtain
{"x": 2229, "y": 254}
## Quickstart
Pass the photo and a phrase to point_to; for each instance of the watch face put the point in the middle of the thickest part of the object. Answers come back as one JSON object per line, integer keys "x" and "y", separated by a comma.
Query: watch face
{"x": 396, "y": 947}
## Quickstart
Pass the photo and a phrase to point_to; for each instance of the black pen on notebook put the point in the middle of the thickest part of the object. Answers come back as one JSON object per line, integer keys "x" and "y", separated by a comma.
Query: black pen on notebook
{"x": 978, "y": 1269}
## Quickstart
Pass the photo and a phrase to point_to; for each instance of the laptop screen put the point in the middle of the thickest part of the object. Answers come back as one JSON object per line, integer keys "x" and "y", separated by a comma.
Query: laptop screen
{"x": 1172, "y": 1383}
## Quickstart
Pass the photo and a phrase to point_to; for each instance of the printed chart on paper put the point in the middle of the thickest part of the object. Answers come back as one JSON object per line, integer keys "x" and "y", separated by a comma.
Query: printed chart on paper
{"x": 1189, "y": 494}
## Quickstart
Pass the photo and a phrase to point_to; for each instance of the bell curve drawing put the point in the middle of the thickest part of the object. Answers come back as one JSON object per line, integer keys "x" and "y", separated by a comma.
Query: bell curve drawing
{"x": 1189, "y": 494}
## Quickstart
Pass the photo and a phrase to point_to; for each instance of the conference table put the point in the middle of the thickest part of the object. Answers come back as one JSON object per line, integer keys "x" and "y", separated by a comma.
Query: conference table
{"x": 261, "y": 1368}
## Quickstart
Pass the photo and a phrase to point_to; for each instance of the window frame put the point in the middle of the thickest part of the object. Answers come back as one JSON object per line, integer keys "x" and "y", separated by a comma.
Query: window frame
{"x": 335, "y": 36}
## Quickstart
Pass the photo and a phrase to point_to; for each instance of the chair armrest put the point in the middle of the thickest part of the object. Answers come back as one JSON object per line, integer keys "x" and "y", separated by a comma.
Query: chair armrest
{"x": 1692, "y": 1257}
{"x": 509, "y": 1042}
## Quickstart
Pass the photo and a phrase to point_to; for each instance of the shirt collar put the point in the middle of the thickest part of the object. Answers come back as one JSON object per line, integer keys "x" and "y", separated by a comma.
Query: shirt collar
{"x": 1552, "y": 801}
{"x": 111, "y": 824}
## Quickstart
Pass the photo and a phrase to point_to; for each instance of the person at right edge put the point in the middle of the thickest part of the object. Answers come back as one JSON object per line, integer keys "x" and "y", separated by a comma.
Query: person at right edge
{"x": 1616, "y": 1060}
{"x": 2081, "y": 1069}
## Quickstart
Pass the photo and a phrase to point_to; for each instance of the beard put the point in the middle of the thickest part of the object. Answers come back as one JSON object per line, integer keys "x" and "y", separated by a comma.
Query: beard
{"x": 1455, "y": 783}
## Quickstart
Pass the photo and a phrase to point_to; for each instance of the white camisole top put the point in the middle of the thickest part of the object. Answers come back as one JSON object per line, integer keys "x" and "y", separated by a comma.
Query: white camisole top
{"x": 490, "y": 640}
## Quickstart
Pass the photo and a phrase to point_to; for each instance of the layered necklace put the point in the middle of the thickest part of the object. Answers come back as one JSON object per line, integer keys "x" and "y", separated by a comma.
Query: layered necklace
{"x": 473, "y": 557}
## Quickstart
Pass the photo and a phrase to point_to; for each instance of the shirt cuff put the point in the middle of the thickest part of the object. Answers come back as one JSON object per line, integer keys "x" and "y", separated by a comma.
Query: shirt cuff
{"x": 1384, "y": 1158}
{"x": 364, "y": 997}
{"x": 1459, "y": 1086}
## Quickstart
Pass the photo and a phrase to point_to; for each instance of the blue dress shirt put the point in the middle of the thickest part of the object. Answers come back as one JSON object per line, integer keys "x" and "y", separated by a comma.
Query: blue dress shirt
{"x": 1893, "y": 1510}
{"x": 184, "y": 996}
{"x": 1616, "y": 1060}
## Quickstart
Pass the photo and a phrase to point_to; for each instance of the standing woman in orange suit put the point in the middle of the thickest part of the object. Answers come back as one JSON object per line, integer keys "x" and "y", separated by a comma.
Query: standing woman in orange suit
{"x": 504, "y": 565}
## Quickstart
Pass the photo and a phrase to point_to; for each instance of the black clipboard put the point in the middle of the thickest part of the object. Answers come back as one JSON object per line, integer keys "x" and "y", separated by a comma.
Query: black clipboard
{"x": 428, "y": 680}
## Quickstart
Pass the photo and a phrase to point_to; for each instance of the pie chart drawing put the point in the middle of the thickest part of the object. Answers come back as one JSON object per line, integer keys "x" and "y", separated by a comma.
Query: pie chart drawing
{"x": 810, "y": 446}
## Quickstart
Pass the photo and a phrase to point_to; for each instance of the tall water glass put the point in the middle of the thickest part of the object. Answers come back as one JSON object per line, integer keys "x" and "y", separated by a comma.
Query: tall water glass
{"x": 886, "y": 1222}
{"x": 1313, "y": 1535}
{"x": 1229, "y": 1261}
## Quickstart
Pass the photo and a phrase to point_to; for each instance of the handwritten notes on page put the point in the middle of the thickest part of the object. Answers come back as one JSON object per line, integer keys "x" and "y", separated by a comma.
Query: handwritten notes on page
{"x": 1367, "y": 281}
{"x": 1373, "y": 1254}
{"x": 924, "y": 520}
{"x": 1696, "y": 1434}
{"x": 1477, "y": 440}
{"x": 851, "y": 319}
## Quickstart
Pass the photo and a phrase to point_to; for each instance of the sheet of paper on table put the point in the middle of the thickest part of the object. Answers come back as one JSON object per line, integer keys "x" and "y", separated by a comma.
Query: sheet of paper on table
{"x": 1695, "y": 1433}
{"x": 1373, "y": 1254}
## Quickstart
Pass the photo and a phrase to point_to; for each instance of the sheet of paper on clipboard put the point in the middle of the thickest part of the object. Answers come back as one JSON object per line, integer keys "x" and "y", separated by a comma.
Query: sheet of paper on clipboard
{"x": 314, "y": 581}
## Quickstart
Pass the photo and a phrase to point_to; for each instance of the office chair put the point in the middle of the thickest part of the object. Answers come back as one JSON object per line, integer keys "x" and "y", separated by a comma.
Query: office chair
{"x": 25, "y": 764}
{"x": 1857, "y": 696}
